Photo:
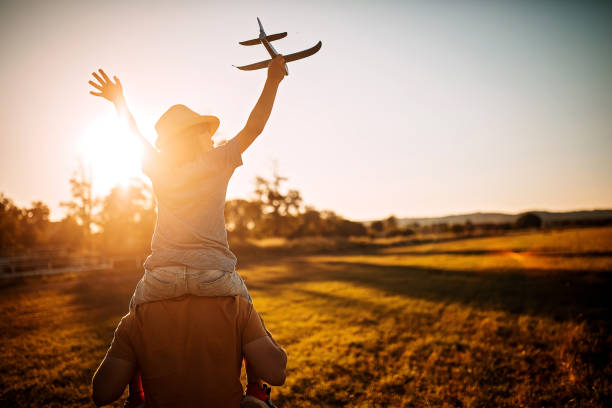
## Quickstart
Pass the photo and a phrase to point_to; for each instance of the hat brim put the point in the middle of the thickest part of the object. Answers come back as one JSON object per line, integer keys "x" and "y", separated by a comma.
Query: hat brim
{"x": 202, "y": 121}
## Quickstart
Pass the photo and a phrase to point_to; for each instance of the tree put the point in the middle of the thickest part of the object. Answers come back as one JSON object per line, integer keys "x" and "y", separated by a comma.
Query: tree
{"x": 528, "y": 220}
{"x": 127, "y": 218}
{"x": 391, "y": 226}
{"x": 35, "y": 224}
{"x": 347, "y": 228}
{"x": 10, "y": 223}
{"x": 457, "y": 229}
{"x": 22, "y": 228}
{"x": 242, "y": 216}
{"x": 67, "y": 233}
{"x": 278, "y": 207}
{"x": 440, "y": 227}
{"x": 390, "y": 223}
{"x": 469, "y": 226}
{"x": 82, "y": 204}
{"x": 377, "y": 226}
{"x": 310, "y": 223}
{"x": 408, "y": 231}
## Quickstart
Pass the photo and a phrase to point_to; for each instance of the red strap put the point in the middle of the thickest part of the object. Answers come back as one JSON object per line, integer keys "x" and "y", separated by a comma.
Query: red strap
{"x": 257, "y": 391}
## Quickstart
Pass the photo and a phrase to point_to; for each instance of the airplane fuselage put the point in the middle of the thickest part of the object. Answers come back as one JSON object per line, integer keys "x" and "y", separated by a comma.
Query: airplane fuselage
{"x": 269, "y": 47}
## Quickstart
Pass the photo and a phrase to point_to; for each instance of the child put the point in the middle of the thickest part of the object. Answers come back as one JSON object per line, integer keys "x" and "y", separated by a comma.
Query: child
{"x": 189, "y": 249}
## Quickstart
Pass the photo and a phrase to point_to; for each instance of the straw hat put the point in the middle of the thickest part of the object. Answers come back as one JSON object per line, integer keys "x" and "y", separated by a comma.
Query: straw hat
{"x": 179, "y": 118}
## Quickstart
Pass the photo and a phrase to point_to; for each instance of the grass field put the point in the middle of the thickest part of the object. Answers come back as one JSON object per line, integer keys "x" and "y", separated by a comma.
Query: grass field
{"x": 520, "y": 320}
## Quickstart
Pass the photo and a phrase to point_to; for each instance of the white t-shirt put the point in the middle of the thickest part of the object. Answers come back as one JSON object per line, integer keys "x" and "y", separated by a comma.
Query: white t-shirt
{"x": 190, "y": 228}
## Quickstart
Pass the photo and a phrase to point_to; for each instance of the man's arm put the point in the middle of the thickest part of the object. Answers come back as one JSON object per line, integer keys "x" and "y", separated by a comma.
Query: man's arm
{"x": 110, "y": 379}
{"x": 261, "y": 112}
{"x": 266, "y": 359}
{"x": 114, "y": 93}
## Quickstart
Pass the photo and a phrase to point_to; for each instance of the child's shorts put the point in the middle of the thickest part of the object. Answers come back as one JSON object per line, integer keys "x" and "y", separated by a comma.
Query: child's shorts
{"x": 168, "y": 282}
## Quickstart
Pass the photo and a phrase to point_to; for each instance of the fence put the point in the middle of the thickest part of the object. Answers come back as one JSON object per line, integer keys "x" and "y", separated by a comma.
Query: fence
{"x": 50, "y": 263}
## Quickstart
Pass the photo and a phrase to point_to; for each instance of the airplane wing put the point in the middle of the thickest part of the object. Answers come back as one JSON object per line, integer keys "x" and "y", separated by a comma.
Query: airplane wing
{"x": 272, "y": 37}
{"x": 288, "y": 58}
{"x": 257, "y": 65}
{"x": 303, "y": 54}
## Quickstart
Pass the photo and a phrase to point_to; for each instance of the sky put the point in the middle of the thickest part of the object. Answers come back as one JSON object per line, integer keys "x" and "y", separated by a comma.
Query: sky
{"x": 412, "y": 108}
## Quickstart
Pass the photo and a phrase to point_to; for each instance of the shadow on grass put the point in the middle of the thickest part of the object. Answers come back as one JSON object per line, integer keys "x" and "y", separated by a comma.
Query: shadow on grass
{"x": 560, "y": 295}
{"x": 106, "y": 295}
{"x": 480, "y": 252}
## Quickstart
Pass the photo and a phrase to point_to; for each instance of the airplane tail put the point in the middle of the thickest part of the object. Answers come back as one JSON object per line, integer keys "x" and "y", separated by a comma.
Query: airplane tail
{"x": 261, "y": 29}
{"x": 272, "y": 37}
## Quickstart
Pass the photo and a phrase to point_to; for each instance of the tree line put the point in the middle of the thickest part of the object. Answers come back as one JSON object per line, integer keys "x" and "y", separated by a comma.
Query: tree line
{"x": 123, "y": 221}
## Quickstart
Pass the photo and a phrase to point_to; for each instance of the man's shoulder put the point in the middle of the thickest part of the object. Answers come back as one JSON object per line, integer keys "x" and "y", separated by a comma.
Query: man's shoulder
{"x": 188, "y": 313}
{"x": 206, "y": 303}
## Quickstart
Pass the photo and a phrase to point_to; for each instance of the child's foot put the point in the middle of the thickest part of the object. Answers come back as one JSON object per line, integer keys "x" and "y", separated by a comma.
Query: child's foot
{"x": 136, "y": 396}
{"x": 257, "y": 396}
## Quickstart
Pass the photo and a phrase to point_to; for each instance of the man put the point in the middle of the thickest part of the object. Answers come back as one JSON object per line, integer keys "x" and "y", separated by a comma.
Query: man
{"x": 189, "y": 351}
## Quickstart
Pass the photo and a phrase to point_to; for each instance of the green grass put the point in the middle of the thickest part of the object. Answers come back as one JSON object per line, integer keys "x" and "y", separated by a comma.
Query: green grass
{"x": 519, "y": 320}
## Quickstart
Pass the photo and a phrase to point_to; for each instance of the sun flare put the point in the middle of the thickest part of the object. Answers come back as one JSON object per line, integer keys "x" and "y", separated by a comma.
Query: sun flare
{"x": 111, "y": 152}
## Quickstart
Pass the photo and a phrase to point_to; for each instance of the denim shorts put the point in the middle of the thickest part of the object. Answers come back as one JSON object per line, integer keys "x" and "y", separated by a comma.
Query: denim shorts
{"x": 167, "y": 282}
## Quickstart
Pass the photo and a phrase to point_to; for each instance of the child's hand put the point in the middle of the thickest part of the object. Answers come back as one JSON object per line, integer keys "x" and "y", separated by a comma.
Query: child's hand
{"x": 108, "y": 90}
{"x": 276, "y": 69}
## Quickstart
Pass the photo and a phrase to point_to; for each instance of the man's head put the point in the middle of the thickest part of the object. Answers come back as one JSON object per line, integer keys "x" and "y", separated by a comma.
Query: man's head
{"x": 184, "y": 134}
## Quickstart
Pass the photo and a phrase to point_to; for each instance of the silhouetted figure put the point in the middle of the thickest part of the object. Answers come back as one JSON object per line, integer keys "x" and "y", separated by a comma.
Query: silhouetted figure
{"x": 190, "y": 255}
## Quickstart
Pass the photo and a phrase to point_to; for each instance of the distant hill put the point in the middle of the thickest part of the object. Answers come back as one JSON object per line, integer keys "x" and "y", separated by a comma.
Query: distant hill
{"x": 497, "y": 218}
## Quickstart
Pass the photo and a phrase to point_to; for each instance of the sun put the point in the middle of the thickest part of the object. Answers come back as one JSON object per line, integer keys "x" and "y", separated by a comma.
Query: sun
{"x": 111, "y": 152}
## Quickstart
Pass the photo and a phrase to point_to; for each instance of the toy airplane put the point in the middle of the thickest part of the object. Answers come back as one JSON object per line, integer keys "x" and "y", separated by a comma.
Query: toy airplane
{"x": 265, "y": 40}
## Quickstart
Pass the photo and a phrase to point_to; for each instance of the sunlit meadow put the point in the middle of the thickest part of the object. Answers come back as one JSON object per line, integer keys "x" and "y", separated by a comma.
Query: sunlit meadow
{"x": 519, "y": 320}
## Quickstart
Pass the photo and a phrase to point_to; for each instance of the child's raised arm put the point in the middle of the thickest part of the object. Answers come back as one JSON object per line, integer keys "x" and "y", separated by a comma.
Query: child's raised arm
{"x": 261, "y": 112}
{"x": 114, "y": 93}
